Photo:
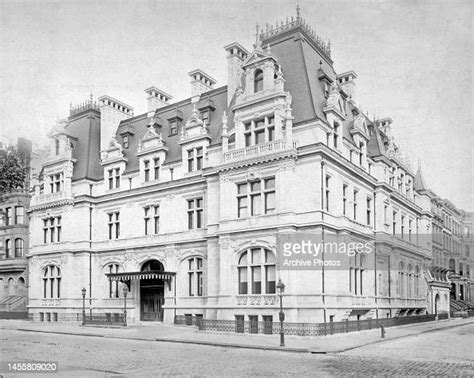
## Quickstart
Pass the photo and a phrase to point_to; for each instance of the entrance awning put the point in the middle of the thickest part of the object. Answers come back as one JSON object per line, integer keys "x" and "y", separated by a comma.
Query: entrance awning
{"x": 361, "y": 311}
{"x": 131, "y": 276}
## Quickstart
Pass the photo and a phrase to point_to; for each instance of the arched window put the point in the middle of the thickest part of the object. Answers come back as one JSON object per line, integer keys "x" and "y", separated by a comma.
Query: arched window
{"x": 258, "y": 81}
{"x": 19, "y": 247}
{"x": 257, "y": 265}
{"x": 8, "y": 247}
{"x": 409, "y": 279}
{"x": 52, "y": 282}
{"x": 195, "y": 276}
{"x": 401, "y": 279}
{"x": 114, "y": 291}
{"x": 417, "y": 281}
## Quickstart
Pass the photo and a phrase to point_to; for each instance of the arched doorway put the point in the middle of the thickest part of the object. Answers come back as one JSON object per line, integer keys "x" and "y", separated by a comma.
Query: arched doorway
{"x": 436, "y": 304}
{"x": 152, "y": 293}
{"x": 21, "y": 287}
{"x": 11, "y": 287}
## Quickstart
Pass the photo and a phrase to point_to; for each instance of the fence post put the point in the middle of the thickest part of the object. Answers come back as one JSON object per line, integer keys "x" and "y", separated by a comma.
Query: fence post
{"x": 331, "y": 325}
{"x": 347, "y": 325}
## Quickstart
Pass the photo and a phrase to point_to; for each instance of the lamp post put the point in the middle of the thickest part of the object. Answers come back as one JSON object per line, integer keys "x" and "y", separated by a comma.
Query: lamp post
{"x": 125, "y": 291}
{"x": 83, "y": 305}
{"x": 281, "y": 289}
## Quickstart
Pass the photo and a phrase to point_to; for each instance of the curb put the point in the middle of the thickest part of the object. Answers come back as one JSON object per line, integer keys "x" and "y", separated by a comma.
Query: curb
{"x": 242, "y": 346}
{"x": 402, "y": 337}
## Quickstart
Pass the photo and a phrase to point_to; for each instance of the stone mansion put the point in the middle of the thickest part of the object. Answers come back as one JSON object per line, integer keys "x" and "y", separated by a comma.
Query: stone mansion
{"x": 182, "y": 206}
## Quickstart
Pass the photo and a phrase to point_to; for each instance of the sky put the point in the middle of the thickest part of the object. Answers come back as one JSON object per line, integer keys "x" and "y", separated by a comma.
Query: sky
{"x": 413, "y": 58}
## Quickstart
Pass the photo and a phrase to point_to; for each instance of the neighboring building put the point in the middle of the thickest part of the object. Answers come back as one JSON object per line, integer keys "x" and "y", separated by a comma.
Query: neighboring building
{"x": 14, "y": 238}
{"x": 183, "y": 205}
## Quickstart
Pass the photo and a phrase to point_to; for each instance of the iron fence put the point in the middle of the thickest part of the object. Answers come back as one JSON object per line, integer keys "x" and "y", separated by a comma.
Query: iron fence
{"x": 298, "y": 329}
{"x": 105, "y": 319}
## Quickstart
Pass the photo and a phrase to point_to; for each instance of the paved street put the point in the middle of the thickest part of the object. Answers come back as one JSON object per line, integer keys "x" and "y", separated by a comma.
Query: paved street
{"x": 435, "y": 353}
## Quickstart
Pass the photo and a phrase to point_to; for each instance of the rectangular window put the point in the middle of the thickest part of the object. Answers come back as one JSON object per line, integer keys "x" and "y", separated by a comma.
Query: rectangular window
{"x": 394, "y": 222}
{"x": 344, "y": 199}
{"x": 52, "y": 230}
{"x": 195, "y": 157}
{"x": 173, "y": 127}
{"x": 111, "y": 178}
{"x": 402, "y": 224}
{"x": 156, "y": 168}
{"x": 56, "y": 182}
{"x": 8, "y": 216}
{"x": 326, "y": 188}
{"x": 243, "y": 281}
{"x": 125, "y": 141}
{"x": 385, "y": 214}
{"x": 336, "y": 134}
{"x": 146, "y": 219}
{"x": 195, "y": 210}
{"x": 355, "y": 204}
{"x": 146, "y": 170}
{"x": 369, "y": 211}
{"x": 117, "y": 177}
{"x": 19, "y": 214}
{"x": 156, "y": 219}
{"x": 114, "y": 225}
{"x": 259, "y": 195}
{"x": 260, "y": 131}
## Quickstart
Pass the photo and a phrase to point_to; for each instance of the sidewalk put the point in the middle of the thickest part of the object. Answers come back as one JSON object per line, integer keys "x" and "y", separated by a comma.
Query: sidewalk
{"x": 191, "y": 335}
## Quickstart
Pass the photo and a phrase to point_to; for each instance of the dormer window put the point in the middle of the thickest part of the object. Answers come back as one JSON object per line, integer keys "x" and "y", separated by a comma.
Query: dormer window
{"x": 336, "y": 134}
{"x": 146, "y": 169}
{"x": 125, "y": 141}
{"x": 259, "y": 131}
{"x": 195, "y": 159}
{"x": 114, "y": 178}
{"x": 258, "y": 81}
{"x": 156, "y": 168}
{"x": 56, "y": 182}
{"x": 56, "y": 146}
{"x": 361, "y": 153}
{"x": 326, "y": 88}
{"x": 173, "y": 127}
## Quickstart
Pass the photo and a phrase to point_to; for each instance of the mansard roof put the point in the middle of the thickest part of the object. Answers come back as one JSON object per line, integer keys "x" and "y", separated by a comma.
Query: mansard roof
{"x": 216, "y": 97}
{"x": 301, "y": 56}
{"x": 85, "y": 127}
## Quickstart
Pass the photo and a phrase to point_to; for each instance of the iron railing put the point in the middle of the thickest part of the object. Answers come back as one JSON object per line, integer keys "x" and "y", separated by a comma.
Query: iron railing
{"x": 299, "y": 329}
{"x": 105, "y": 319}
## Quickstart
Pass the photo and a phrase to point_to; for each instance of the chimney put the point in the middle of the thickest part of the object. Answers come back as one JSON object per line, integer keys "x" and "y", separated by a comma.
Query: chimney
{"x": 200, "y": 82}
{"x": 236, "y": 54}
{"x": 156, "y": 99}
{"x": 384, "y": 125}
{"x": 112, "y": 112}
{"x": 346, "y": 82}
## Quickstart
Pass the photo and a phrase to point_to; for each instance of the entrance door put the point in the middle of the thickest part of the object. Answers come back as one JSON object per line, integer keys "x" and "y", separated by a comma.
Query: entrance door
{"x": 152, "y": 293}
{"x": 152, "y": 303}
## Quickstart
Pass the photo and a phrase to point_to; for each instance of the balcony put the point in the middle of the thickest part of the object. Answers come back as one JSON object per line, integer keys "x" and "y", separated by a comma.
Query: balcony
{"x": 257, "y": 300}
{"x": 50, "y": 199}
{"x": 259, "y": 150}
{"x": 13, "y": 265}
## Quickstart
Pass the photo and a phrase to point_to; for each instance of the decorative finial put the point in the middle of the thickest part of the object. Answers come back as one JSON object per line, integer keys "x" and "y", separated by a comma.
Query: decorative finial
{"x": 91, "y": 96}
{"x": 297, "y": 11}
{"x": 256, "y": 34}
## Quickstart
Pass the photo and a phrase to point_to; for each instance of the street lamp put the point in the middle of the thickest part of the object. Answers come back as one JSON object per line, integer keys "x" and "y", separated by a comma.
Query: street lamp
{"x": 83, "y": 305}
{"x": 125, "y": 290}
{"x": 281, "y": 289}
